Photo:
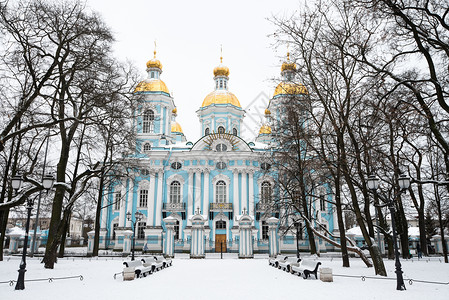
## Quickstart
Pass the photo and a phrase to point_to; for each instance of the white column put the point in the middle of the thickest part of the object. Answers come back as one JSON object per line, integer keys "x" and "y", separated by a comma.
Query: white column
{"x": 159, "y": 199}
{"x": 104, "y": 212}
{"x": 206, "y": 193}
{"x": 236, "y": 194}
{"x": 150, "y": 219}
{"x": 190, "y": 195}
{"x": 122, "y": 214}
{"x": 197, "y": 190}
{"x": 251, "y": 194}
{"x": 244, "y": 198}
{"x": 130, "y": 201}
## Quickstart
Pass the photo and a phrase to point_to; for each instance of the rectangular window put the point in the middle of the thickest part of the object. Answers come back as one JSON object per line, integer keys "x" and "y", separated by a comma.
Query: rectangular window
{"x": 264, "y": 230}
{"x": 140, "y": 230}
{"x": 176, "y": 231}
{"x": 143, "y": 199}
{"x": 114, "y": 227}
{"x": 118, "y": 199}
{"x": 322, "y": 203}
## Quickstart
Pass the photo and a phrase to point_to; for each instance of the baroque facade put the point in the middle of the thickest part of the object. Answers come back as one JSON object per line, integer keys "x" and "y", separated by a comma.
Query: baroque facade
{"x": 220, "y": 177}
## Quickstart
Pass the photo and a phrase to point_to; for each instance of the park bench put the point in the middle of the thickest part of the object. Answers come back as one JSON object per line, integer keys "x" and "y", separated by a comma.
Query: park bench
{"x": 165, "y": 262}
{"x": 286, "y": 265}
{"x": 132, "y": 269}
{"x": 306, "y": 268}
{"x": 275, "y": 261}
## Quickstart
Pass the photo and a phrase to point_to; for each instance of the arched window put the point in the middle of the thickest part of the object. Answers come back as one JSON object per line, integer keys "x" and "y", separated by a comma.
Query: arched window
{"x": 175, "y": 192}
{"x": 147, "y": 147}
{"x": 148, "y": 121}
{"x": 221, "y": 147}
{"x": 322, "y": 203}
{"x": 221, "y": 129}
{"x": 234, "y": 131}
{"x": 264, "y": 230}
{"x": 220, "y": 192}
{"x": 220, "y": 224}
{"x": 206, "y": 132}
{"x": 265, "y": 192}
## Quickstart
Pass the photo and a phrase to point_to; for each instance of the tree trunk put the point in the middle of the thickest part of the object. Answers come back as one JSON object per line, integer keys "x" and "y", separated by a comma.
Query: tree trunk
{"x": 341, "y": 223}
{"x": 97, "y": 216}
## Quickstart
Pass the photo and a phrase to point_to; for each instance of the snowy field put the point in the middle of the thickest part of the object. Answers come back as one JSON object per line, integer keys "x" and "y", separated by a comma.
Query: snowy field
{"x": 213, "y": 278}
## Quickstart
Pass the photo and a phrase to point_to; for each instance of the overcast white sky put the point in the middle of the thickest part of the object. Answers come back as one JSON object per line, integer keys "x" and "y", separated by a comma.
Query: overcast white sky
{"x": 189, "y": 35}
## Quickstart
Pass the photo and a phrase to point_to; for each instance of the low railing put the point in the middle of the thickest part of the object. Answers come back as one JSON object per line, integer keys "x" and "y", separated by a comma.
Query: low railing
{"x": 224, "y": 207}
{"x": 174, "y": 207}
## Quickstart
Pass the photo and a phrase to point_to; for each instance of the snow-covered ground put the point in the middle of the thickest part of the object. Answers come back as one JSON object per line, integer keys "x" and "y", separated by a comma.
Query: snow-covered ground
{"x": 213, "y": 278}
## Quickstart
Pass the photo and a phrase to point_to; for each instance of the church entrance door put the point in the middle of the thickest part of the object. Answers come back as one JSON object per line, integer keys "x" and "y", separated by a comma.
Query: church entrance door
{"x": 220, "y": 243}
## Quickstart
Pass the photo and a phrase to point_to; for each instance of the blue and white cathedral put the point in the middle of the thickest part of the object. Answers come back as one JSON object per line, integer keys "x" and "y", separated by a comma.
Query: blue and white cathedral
{"x": 207, "y": 196}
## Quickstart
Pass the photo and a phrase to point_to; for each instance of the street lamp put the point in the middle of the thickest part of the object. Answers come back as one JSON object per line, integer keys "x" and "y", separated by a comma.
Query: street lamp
{"x": 16, "y": 183}
{"x": 137, "y": 217}
{"x": 404, "y": 184}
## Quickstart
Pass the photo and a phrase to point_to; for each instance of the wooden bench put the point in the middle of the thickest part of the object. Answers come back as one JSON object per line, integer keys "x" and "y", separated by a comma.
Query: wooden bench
{"x": 306, "y": 268}
{"x": 286, "y": 265}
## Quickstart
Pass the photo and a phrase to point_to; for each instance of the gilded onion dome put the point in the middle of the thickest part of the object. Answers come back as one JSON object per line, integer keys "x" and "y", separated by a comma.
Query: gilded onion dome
{"x": 289, "y": 88}
{"x": 221, "y": 97}
{"x": 265, "y": 129}
{"x": 267, "y": 112}
{"x": 176, "y": 128}
{"x": 288, "y": 65}
{"x": 221, "y": 70}
{"x": 153, "y": 83}
{"x": 174, "y": 111}
{"x": 154, "y": 63}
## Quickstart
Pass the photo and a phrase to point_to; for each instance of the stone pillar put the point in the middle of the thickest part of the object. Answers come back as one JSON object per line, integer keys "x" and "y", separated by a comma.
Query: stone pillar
{"x": 236, "y": 193}
{"x": 150, "y": 219}
{"x": 159, "y": 199}
{"x": 38, "y": 242}
{"x": 68, "y": 241}
{"x": 129, "y": 208}
{"x": 244, "y": 197}
{"x": 122, "y": 214}
{"x": 273, "y": 236}
{"x": 90, "y": 242}
{"x": 190, "y": 197}
{"x": 14, "y": 240}
{"x": 197, "y": 189}
{"x": 206, "y": 193}
{"x": 251, "y": 211}
{"x": 246, "y": 241}
{"x": 169, "y": 240}
{"x": 127, "y": 241}
{"x": 197, "y": 246}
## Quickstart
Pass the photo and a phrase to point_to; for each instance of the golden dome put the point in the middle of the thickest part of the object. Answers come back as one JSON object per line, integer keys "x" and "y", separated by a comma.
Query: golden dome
{"x": 267, "y": 112}
{"x": 221, "y": 97}
{"x": 287, "y": 88}
{"x": 288, "y": 65}
{"x": 154, "y": 63}
{"x": 221, "y": 70}
{"x": 175, "y": 110}
{"x": 265, "y": 129}
{"x": 152, "y": 85}
{"x": 175, "y": 127}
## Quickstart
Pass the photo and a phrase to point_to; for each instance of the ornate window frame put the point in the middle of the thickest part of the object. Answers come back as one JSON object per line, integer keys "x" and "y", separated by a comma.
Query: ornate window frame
{"x": 215, "y": 180}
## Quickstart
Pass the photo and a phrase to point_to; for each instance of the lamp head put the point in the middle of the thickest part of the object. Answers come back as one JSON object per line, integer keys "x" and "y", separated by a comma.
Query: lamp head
{"x": 404, "y": 182}
{"x": 128, "y": 216}
{"x": 48, "y": 181}
{"x": 16, "y": 181}
{"x": 373, "y": 182}
{"x": 138, "y": 215}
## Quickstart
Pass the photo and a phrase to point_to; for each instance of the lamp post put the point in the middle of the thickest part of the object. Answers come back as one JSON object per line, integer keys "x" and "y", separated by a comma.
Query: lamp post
{"x": 16, "y": 183}
{"x": 404, "y": 184}
{"x": 137, "y": 217}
